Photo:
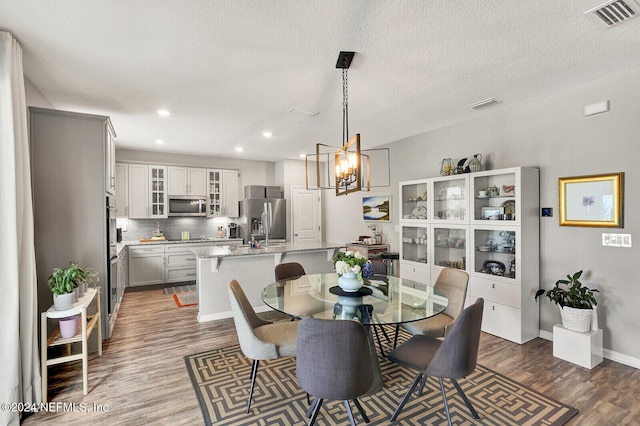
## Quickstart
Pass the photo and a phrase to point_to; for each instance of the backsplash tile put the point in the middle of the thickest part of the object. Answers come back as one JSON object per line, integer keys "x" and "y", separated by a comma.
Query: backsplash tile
{"x": 173, "y": 228}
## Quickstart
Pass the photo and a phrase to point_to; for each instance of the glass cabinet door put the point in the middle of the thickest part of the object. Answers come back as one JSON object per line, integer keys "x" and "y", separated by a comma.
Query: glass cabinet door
{"x": 494, "y": 197}
{"x": 450, "y": 199}
{"x": 415, "y": 243}
{"x": 414, "y": 201}
{"x": 158, "y": 184}
{"x": 495, "y": 252}
{"x": 215, "y": 184}
{"x": 450, "y": 247}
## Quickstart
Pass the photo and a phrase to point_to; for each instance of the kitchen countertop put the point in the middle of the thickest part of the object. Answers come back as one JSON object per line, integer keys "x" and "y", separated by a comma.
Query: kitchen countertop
{"x": 123, "y": 244}
{"x": 230, "y": 251}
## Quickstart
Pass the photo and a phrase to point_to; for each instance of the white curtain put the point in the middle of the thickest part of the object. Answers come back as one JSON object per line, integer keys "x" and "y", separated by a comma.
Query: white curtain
{"x": 20, "y": 377}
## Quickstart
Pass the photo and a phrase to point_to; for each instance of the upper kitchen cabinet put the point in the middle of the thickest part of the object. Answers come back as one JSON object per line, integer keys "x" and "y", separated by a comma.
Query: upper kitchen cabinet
{"x": 187, "y": 181}
{"x": 223, "y": 198}
{"x": 110, "y": 155}
{"x": 147, "y": 191}
{"x": 122, "y": 190}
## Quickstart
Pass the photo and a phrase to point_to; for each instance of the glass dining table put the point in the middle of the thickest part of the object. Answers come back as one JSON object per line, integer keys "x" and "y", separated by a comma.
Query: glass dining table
{"x": 383, "y": 300}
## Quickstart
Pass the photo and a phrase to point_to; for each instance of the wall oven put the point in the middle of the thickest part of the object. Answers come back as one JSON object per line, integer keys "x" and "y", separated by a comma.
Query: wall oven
{"x": 187, "y": 206}
{"x": 112, "y": 256}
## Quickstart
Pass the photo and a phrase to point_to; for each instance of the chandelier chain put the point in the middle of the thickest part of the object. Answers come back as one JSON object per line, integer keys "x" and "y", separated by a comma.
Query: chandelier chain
{"x": 345, "y": 106}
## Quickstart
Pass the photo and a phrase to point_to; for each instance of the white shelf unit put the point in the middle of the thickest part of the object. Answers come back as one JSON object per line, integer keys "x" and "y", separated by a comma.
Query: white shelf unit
{"x": 88, "y": 324}
{"x": 414, "y": 201}
{"x": 510, "y": 241}
{"x": 466, "y": 234}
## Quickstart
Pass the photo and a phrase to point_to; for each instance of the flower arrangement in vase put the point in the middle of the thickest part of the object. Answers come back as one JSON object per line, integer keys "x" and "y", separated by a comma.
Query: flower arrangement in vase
{"x": 351, "y": 266}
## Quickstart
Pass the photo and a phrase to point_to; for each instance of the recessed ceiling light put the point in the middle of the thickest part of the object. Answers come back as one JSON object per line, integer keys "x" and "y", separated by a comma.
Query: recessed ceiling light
{"x": 163, "y": 112}
{"x": 267, "y": 134}
{"x": 159, "y": 141}
{"x": 239, "y": 149}
{"x": 303, "y": 155}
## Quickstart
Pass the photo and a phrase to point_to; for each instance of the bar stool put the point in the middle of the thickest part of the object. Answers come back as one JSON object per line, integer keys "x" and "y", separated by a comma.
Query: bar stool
{"x": 390, "y": 259}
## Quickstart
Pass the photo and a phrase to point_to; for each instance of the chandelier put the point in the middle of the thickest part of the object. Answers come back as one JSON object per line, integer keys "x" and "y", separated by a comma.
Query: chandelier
{"x": 348, "y": 161}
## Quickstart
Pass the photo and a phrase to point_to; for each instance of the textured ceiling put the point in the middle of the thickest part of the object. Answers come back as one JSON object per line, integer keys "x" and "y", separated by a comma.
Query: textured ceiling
{"x": 229, "y": 70}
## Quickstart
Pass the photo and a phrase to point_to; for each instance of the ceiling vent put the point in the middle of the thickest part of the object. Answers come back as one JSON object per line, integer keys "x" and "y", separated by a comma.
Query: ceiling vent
{"x": 483, "y": 103}
{"x": 300, "y": 111}
{"x": 614, "y": 12}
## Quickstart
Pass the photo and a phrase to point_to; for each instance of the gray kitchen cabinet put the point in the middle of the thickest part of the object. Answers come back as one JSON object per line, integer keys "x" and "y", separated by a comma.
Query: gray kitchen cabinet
{"x": 146, "y": 265}
{"x": 187, "y": 181}
{"x": 110, "y": 155}
{"x": 147, "y": 191}
{"x": 180, "y": 262}
{"x": 122, "y": 190}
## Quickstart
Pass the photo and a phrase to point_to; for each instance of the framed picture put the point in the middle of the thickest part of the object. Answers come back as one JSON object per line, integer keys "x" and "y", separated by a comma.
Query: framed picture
{"x": 377, "y": 208}
{"x": 492, "y": 212}
{"x": 591, "y": 200}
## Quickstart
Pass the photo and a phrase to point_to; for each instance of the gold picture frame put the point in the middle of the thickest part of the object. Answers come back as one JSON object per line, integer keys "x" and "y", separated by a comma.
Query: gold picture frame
{"x": 595, "y": 200}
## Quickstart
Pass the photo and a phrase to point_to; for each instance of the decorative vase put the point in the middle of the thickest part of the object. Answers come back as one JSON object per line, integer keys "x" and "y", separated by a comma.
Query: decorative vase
{"x": 63, "y": 302}
{"x": 68, "y": 326}
{"x": 576, "y": 319}
{"x": 349, "y": 282}
{"x": 475, "y": 164}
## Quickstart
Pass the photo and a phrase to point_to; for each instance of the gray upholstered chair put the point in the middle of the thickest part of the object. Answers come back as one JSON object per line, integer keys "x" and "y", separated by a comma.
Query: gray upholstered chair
{"x": 334, "y": 362}
{"x": 453, "y": 283}
{"x": 259, "y": 339}
{"x": 454, "y": 357}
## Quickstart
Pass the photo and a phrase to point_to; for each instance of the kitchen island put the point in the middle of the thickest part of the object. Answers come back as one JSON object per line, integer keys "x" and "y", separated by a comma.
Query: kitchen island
{"x": 253, "y": 268}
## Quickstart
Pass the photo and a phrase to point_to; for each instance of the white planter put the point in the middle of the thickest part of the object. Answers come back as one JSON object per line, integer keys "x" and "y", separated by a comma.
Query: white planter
{"x": 349, "y": 282}
{"x": 576, "y": 319}
{"x": 69, "y": 326}
{"x": 63, "y": 302}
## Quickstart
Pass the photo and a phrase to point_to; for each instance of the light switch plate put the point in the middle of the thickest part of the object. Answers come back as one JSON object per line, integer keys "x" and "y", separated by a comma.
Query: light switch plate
{"x": 616, "y": 240}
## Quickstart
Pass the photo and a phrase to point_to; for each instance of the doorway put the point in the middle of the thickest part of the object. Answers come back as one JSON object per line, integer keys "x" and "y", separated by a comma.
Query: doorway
{"x": 306, "y": 215}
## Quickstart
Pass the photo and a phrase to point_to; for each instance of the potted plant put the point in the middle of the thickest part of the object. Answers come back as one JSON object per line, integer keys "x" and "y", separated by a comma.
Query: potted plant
{"x": 351, "y": 266}
{"x": 576, "y": 302}
{"x": 84, "y": 278}
{"x": 61, "y": 283}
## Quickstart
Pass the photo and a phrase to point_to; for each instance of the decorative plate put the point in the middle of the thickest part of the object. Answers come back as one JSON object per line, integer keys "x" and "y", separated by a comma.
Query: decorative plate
{"x": 509, "y": 207}
{"x": 419, "y": 212}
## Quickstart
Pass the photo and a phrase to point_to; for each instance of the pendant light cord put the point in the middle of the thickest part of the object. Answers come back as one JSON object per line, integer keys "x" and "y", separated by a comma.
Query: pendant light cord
{"x": 345, "y": 106}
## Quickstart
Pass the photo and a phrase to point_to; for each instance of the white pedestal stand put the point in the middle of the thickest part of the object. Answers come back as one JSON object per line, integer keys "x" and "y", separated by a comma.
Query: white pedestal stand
{"x": 584, "y": 349}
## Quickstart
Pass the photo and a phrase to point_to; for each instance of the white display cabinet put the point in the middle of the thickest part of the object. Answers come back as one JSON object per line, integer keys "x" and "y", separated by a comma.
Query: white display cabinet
{"x": 450, "y": 247}
{"x": 414, "y": 201}
{"x": 505, "y": 251}
{"x": 414, "y": 253}
{"x": 450, "y": 199}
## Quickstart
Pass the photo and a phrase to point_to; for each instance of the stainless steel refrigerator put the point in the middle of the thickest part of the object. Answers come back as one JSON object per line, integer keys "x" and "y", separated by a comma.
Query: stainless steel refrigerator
{"x": 262, "y": 215}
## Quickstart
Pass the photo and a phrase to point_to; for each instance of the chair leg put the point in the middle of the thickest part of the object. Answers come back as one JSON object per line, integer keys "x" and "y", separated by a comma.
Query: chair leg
{"x": 375, "y": 328}
{"x": 395, "y": 337}
{"x": 254, "y": 372}
{"x": 474, "y": 413}
{"x": 406, "y": 397}
{"x": 349, "y": 413}
{"x": 312, "y": 407}
{"x": 312, "y": 420}
{"x": 444, "y": 398}
{"x": 359, "y": 407}
{"x": 422, "y": 383}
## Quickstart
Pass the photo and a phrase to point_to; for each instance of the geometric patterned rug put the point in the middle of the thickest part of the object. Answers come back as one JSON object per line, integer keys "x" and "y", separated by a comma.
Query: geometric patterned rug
{"x": 179, "y": 288}
{"x": 221, "y": 380}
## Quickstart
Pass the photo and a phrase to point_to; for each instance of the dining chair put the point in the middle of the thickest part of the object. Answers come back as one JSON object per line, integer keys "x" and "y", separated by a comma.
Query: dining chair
{"x": 286, "y": 271}
{"x": 334, "y": 362}
{"x": 453, "y": 283}
{"x": 454, "y": 357}
{"x": 259, "y": 339}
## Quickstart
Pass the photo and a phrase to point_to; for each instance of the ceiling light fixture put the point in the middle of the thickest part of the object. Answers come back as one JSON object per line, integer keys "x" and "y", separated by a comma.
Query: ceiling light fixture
{"x": 239, "y": 149}
{"x": 348, "y": 160}
{"x": 267, "y": 134}
{"x": 159, "y": 142}
{"x": 163, "y": 112}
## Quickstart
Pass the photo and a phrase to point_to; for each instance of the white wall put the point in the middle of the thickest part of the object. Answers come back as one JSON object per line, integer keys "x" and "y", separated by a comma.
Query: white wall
{"x": 553, "y": 134}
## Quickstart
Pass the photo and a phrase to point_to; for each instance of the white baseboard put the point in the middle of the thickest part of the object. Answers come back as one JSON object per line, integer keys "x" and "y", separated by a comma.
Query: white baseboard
{"x": 607, "y": 353}
{"x": 229, "y": 314}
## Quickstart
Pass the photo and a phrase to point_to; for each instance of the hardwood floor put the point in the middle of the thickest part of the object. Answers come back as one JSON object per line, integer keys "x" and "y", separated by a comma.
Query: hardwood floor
{"x": 141, "y": 377}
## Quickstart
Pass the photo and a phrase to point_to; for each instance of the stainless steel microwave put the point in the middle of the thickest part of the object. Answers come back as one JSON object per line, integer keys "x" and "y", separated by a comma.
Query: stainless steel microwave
{"x": 187, "y": 206}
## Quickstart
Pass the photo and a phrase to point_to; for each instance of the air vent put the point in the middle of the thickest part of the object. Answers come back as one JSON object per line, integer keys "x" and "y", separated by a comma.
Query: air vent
{"x": 614, "y": 12}
{"x": 300, "y": 111}
{"x": 483, "y": 103}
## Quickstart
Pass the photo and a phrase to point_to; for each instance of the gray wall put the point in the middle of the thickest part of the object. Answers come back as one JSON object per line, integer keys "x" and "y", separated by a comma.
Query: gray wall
{"x": 553, "y": 134}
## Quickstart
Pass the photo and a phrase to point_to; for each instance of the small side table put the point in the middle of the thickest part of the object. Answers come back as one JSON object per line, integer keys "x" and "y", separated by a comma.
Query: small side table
{"x": 584, "y": 349}
{"x": 55, "y": 339}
